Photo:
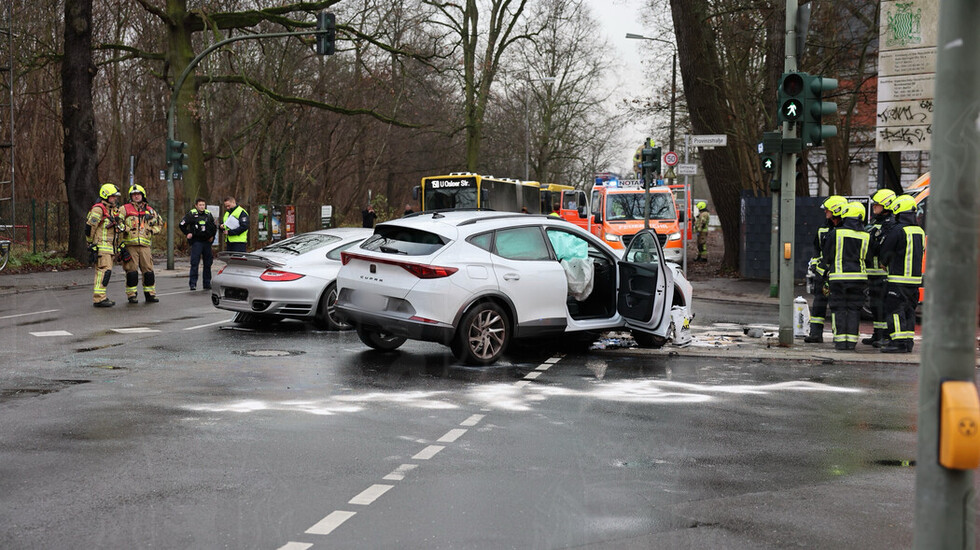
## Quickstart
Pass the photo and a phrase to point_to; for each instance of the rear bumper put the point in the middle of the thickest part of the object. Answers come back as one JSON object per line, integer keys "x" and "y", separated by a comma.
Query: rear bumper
{"x": 396, "y": 324}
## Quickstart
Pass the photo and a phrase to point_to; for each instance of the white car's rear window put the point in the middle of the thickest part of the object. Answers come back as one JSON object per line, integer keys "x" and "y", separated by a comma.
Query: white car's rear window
{"x": 393, "y": 239}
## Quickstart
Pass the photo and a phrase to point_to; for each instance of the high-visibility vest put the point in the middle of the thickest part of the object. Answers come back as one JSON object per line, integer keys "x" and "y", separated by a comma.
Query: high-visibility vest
{"x": 850, "y": 250}
{"x": 140, "y": 225}
{"x": 905, "y": 266}
{"x": 241, "y": 237}
{"x": 101, "y": 221}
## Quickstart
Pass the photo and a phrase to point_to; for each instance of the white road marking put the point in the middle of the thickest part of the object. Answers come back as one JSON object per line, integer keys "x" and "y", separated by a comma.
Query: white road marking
{"x": 553, "y": 360}
{"x": 178, "y": 292}
{"x": 32, "y": 313}
{"x": 370, "y": 494}
{"x": 532, "y": 375}
{"x": 45, "y": 333}
{"x": 473, "y": 420}
{"x": 522, "y": 383}
{"x": 544, "y": 366}
{"x": 399, "y": 473}
{"x": 134, "y": 330}
{"x": 326, "y": 525}
{"x": 451, "y": 436}
{"x": 428, "y": 452}
{"x": 295, "y": 546}
{"x": 211, "y": 324}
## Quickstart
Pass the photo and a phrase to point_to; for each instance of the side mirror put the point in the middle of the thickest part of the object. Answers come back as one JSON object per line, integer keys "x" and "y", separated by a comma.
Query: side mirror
{"x": 415, "y": 193}
{"x": 681, "y": 215}
{"x": 582, "y": 212}
{"x": 597, "y": 218}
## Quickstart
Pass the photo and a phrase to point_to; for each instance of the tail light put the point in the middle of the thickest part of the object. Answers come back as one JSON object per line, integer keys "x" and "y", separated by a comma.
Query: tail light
{"x": 422, "y": 271}
{"x": 222, "y": 269}
{"x": 274, "y": 275}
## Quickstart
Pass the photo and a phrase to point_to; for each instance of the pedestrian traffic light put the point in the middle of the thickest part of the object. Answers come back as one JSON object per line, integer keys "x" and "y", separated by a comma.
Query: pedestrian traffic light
{"x": 814, "y": 131}
{"x": 772, "y": 143}
{"x": 326, "y": 27}
{"x": 790, "y": 97}
{"x": 176, "y": 157}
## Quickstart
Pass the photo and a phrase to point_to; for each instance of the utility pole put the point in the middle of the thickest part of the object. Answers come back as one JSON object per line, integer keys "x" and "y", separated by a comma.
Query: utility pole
{"x": 945, "y": 503}
{"x": 787, "y": 199}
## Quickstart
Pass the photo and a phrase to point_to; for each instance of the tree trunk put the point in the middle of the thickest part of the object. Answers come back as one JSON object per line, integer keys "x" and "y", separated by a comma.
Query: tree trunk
{"x": 703, "y": 79}
{"x": 80, "y": 145}
{"x": 187, "y": 121}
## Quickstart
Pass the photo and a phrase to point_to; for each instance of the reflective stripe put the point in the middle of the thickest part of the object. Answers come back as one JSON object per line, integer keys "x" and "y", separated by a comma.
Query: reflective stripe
{"x": 880, "y": 325}
{"x": 243, "y": 237}
{"x": 839, "y": 273}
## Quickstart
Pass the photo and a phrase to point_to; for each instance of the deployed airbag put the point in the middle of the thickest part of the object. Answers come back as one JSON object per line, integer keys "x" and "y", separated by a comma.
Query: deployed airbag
{"x": 580, "y": 273}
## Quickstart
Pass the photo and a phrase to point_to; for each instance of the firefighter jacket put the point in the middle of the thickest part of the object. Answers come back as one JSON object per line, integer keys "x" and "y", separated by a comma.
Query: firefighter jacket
{"x": 902, "y": 250}
{"x": 141, "y": 222}
{"x": 701, "y": 222}
{"x": 240, "y": 233}
{"x": 815, "y": 265}
{"x": 199, "y": 225}
{"x": 877, "y": 230}
{"x": 103, "y": 223}
{"x": 845, "y": 252}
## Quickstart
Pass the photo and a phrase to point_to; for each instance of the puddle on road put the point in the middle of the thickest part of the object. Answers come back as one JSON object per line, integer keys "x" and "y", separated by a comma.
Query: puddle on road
{"x": 55, "y": 385}
{"x": 266, "y": 353}
{"x": 96, "y": 348}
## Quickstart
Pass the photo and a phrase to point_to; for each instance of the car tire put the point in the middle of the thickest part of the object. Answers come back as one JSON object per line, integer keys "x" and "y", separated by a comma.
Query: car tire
{"x": 645, "y": 340}
{"x": 378, "y": 340}
{"x": 326, "y": 311}
{"x": 482, "y": 336}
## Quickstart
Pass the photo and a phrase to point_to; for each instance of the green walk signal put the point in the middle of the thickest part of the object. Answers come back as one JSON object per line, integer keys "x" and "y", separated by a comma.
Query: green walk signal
{"x": 768, "y": 165}
{"x": 790, "y": 97}
{"x": 176, "y": 157}
{"x": 814, "y": 131}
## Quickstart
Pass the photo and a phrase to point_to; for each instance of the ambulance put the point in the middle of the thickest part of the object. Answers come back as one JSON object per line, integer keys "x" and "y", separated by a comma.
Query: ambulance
{"x": 618, "y": 208}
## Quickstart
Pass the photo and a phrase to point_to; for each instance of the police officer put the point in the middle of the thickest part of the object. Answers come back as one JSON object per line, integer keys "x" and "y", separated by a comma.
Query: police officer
{"x": 141, "y": 222}
{"x": 701, "y": 228}
{"x": 877, "y": 276}
{"x": 845, "y": 252}
{"x": 103, "y": 222}
{"x": 235, "y": 225}
{"x": 199, "y": 228}
{"x": 901, "y": 253}
{"x": 832, "y": 208}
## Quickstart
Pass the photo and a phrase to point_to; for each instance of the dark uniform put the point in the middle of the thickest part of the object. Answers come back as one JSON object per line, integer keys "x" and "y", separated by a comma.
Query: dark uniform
{"x": 201, "y": 227}
{"x": 902, "y": 252}
{"x": 877, "y": 275}
{"x": 819, "y": 311}
{"x": 844, "y": 255}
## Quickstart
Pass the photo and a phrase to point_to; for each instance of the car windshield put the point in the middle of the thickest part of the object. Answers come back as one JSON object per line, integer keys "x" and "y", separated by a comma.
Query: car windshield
{"x": 439, "y": 199}
{"x": 301, "y": 244}
{"x": 393, "y": 239}
{"x": 630, "y": 206}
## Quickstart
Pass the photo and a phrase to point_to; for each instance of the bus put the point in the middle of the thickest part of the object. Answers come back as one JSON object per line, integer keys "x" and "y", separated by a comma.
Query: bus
{"x": 551, "y": 195}
{"x": 469, "y": 190}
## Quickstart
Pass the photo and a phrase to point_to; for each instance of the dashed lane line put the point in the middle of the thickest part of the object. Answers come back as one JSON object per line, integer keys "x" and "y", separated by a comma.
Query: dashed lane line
{"x": 31, "y": 313}
{"x": 522, "y": 383}
{"x": 326, "y": 525}
{"x": 451, "y": 436}
{"x": 134, "y": 330}
{"x": 211, "y": 324}
{"x": 428, "y": 452}
{"x": 47, "y": 333}
{"x": 532, "y": 375}
{"x": 399, "y": 473}
{"x": 295, "y": 546}
{"x": 473, "y": 420}
{"x": 371, "y": 494}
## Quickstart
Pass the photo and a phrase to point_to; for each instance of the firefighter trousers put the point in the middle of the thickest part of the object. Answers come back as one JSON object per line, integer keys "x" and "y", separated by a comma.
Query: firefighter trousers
{"x": 846, "y": 300}
{"x": 900, "y": 306}
{"x": 140, "y": 261}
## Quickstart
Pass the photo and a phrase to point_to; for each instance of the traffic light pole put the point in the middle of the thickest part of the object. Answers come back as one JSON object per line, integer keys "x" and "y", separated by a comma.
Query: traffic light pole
{"x": 945, "y": 502}
{"x": 787, "y": 199}
{"x": 178, "y": 85}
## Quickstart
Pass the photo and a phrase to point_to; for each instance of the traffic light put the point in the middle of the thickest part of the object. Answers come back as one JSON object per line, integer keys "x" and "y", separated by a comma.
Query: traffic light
{"x": 650, "y": 164}
{"x": 326, "y": 26}
{"x": 790, "y": 96}
{"x": 176, "y": 157}
{"x": 814, "y": 131}
{"x": 771, "y": 149}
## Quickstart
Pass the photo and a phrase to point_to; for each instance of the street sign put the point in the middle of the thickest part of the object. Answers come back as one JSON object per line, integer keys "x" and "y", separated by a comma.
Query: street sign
{"x": 687, "y": 169}
{"x": 670, "y": 158}
{"x": 710, "y": 140}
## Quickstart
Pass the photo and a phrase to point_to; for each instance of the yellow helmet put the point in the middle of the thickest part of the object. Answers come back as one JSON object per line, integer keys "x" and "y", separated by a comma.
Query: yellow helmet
{"x": 903, "y": 203}
{"x": 854, "y": 209}
{"x": 836, "y": 204}
{"x": 107, "y": 190}
{"x": 701, "y": 205}
{"x": 883, "y": 197}
{"x": 137, "y": 188}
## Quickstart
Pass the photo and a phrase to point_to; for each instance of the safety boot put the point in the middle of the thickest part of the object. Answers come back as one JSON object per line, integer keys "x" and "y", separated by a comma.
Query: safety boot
{"x": 897, "y": 346}
{"x": 842, "y": 346}
{"x": 104, "y": 303}
{"x": 151, "y": 298}
{"x": 133, "y": 299}
{"x": 816, "y": 334}
{"x": 877, "y": 336}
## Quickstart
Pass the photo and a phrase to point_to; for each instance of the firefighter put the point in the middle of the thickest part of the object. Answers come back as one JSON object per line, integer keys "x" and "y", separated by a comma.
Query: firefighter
{"x": 141, "y": 222}
{"x": 701, "y": 228}
{"x": 103, "y": 223}
{"x": 877, "y": 276}
{"x": 845, "y": 251}
{"x": 901, "y": 253}
{"x": 832, "y": 208}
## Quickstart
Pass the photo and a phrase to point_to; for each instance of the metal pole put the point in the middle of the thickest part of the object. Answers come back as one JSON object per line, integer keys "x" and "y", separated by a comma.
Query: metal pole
{"x": 787, "y": 214}
{"x": 527, "y": 135}
{"x": 945, "y": 502}
{"x": 687, "y": 191}
{"x": 673, "y": 101}
{"x": 774, "y": 247}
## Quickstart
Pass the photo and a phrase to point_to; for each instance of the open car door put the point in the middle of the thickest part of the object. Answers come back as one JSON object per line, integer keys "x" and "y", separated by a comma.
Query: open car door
{"x": 645, "y": 290}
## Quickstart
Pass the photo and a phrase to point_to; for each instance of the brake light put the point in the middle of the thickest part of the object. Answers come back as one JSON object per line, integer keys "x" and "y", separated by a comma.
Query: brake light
{"x": 222, "y": 269}
{"x": 422, "y": 271}
{"x": 274, "y": 275}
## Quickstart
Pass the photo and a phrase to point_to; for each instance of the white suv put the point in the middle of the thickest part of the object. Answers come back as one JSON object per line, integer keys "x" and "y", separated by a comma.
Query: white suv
{"x": 475, "y": 280}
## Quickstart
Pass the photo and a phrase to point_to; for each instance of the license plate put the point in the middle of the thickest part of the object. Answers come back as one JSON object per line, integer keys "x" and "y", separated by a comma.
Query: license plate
{"x": 370, "y": 301}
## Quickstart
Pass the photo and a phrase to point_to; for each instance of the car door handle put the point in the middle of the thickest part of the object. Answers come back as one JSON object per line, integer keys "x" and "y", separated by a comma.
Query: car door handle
{"x": 512, "y": 277}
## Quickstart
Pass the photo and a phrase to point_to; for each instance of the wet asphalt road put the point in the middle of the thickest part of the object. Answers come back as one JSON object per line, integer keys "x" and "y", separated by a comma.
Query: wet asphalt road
{"x": 187, "y": 431}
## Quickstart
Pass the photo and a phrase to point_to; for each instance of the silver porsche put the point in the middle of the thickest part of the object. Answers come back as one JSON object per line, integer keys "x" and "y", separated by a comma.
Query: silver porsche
{"x": 294, "y": 278}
